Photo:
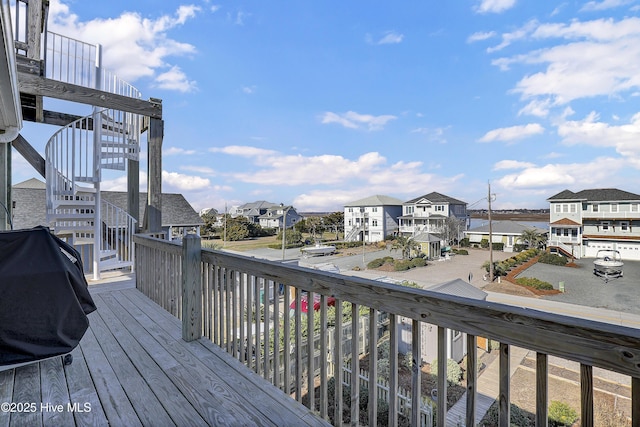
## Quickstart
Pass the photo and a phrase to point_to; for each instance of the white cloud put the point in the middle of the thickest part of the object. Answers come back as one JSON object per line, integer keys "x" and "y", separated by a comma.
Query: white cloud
{"x": 202, "y": 170}
{"x": 172, "y": 151}
{"x": 512, "y": 133}
{"x": 536, "y": 107}
{"x": 242, "y": 150}
{"x": 354, "y": 120}
{"x": 585, "y": 59}
{"x": 391, "y": 37}
{"x": 133, "y": 46}
{"x": 181, "y": 182}
{"x": 494, "y": 6}
{"x": 512, "y": 164}
{"x": 593, "y": 6}
{"x": 175, "y": 79}
{"x": 480, "y": 36}
{"x": 591, "y": 131}
{"x": 585, "y": 175}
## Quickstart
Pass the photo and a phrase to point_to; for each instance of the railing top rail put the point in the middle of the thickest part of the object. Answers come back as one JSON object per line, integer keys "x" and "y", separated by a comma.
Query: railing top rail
{"x": 604, "y": 345}
{"x": 72, "y": 39}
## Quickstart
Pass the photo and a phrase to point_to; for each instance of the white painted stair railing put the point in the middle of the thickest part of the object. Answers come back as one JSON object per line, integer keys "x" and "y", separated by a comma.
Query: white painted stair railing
{"x": 77, "y": 153}
{"x": 75, "y": 157}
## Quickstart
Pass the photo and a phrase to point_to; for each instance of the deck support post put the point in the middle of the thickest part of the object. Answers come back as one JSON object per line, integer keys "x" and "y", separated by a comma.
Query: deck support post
{"x": 153, "y": 214}
{"x": 5, "y": 186}
{"x": 191, "y": 288}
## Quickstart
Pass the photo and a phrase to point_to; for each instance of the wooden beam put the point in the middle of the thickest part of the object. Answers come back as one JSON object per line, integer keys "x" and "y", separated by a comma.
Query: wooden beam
{"x": 133, "y": 190}
{"x": 153, "y": 212}
{"x": 41, "y": 86}
{"x": 30, "y": 155}
{"x": 191, "y": 288}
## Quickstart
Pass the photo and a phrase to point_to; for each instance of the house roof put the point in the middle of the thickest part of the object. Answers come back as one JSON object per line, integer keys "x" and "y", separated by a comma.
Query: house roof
{"x": 505, "y": 227}
{"x": 435, "y": 197}
{"x": 595, "y": 195}
{"x": 565, "y": 221}
{"x": 459, "y": 287}
{"x": 427, "y": 237}
{"x": 30, "y": 202}
{"x": 377, "y": 200}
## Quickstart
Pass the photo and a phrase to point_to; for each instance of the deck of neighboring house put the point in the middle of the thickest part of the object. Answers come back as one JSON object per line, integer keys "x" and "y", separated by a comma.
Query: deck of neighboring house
{"x": 133, "y": 368}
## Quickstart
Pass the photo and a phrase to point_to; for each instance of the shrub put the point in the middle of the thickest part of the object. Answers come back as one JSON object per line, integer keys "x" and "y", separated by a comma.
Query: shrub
{"x": 402, "y": 265}
{"x": 518, "y": 417}
{"x": 465, "y": 242}
{"x": 497, "y": 246}
{"x": 383, "y": 348}
{"x": 561, "y": 414}
{"x": 384, "y": 368}
{"x": 553, "y": 259}
{"x": 418, "y": 262}
{"x": 484, "y": 243}
{"x": 378, "y": 262}
{"x": 461, "y": 252}
{"x": 454, "y": 371}
{"x": 532, "y": 282}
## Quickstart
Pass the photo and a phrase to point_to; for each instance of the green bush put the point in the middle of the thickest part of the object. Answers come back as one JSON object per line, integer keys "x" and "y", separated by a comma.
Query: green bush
{"x": 561, "y": 414}
{"x": 418, "y": 262}
{"x": 553, "y": 259}
{"x": 454, "y": 371}
{"x": 484, "y": 243}
{"x": 461, "y": 252}
{"x": 532, "y": 282}
{"x": 378, "y": 262}
{"x": 402, "y": 265}
{"x": 497, "y": 246}
{"x": 519, "y": 417}
{"x": 384, "y": 368}
{"x": 465, "y": 242}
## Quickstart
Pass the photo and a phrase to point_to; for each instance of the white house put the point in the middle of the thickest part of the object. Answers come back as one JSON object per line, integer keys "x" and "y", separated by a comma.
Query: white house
{"x": 371, "y": 219}
{"x": 584, "y": 222}
{"x": 431, "y": 213}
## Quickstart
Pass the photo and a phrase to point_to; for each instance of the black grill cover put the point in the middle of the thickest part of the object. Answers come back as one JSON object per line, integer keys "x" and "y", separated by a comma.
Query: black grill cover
{"x": 44, "y": 299}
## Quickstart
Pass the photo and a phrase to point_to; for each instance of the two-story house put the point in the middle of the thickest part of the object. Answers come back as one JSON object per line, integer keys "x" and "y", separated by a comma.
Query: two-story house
{"x": 279, "y": 215}
{"x": 431, "y": 213}
{"x": 253, "y": 210}
{"x": 371, "y": 219}
{"x": 590, "y": 220}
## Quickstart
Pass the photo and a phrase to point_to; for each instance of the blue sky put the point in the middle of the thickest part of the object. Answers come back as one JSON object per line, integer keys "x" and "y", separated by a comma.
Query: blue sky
{"x": 318, "y": 103}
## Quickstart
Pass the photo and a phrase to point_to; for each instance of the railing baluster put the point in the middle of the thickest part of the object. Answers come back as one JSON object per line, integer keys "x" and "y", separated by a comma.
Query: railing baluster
{"x": 310, "y": 350}
{"x": 265, "y": 332}
{"x": 393, "y": 370}
{"x": 373, "y": 367}
{"x": 635, "y": 402}
{"x": 324, "y": 395}
{"x": 442, "y": 376}
{"x": 542, "y": 389}
{"x": 416, "y": 372}
{"x": 276, "y": 336}
{"x": 298, "y": 342}
{"x": 504, "y": 399}
{"x": 472, "y": 379}
{"x": 355, "y": 365}
{"x": 287, "y": 340}
{"x": 256, "y": 298}
{"x": 338, "y": 366}
{"x": 586, "y": 395}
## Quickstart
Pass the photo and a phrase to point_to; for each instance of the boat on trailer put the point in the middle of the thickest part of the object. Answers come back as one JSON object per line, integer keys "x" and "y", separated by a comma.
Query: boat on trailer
{"x": 318, "y": 250}
{"x": 608, "y": 264}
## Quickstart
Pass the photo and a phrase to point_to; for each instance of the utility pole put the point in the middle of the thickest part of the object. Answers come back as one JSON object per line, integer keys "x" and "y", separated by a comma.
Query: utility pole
{"x": 490, "y": 235}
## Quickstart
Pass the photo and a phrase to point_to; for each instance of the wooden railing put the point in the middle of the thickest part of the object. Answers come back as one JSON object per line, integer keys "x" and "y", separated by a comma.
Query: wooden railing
{"x": 226, "y": 297}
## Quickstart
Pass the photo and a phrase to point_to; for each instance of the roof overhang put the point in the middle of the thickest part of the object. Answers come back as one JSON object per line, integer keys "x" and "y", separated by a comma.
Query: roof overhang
{"x": 10, "y": 110}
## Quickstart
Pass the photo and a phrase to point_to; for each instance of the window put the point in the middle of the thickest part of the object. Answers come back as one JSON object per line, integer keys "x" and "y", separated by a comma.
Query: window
{"x": 573, "y": 208}
{"x": 634, "y": 207}
{"x": 565, "y": 208}
{"x": 605, "y": 225}
{"x": 439, "y": 208}
{"x": 374, "y": 209}
{"x": 595, "y": 207}
{"x": 614, "y": 207}
{"x": 409, "y": 210}
{"x": 624, "y": 226}
{"x": 558, "y": 208}
{"x": 374, "y": 222}
{"x": 350, "y": 209}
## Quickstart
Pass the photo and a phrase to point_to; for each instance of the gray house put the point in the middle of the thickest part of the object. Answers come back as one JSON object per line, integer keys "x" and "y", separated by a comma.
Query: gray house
{"x": 29, "y": 201}
{"x": 506, "y": 232}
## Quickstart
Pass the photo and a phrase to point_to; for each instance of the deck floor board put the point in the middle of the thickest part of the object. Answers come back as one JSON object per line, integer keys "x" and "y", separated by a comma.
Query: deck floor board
{"x": 132, "y": 368}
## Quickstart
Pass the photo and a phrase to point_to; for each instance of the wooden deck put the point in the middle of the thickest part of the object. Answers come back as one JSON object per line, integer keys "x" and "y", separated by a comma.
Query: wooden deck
{"x": 132, "y": 368}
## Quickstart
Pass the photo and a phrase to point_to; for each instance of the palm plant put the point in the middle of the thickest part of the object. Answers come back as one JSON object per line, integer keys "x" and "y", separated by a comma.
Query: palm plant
{"x": 405, "y": 245}
{"x": 531, "y": 237}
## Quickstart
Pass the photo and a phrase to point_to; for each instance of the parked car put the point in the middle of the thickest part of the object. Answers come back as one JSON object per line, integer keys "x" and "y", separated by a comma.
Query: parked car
{"x": 304, "y": 304}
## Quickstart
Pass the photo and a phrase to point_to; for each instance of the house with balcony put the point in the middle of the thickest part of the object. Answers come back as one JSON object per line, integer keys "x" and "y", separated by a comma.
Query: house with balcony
{"x": 584, "y": 222}
{"x": 434, "y": 213}
{"x": 279, "y": 216}
{"x": 253, "y": 210}
{"x": 186, "y": 338}
{"x": 371, "y": 219}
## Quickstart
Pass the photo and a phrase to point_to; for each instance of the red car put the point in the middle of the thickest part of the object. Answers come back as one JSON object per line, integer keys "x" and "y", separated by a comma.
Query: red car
{"x": 304, "y": 304}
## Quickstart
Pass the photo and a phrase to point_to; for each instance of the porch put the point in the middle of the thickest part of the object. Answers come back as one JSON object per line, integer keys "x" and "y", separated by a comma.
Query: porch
{"x": 132, "y": 368}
